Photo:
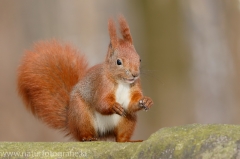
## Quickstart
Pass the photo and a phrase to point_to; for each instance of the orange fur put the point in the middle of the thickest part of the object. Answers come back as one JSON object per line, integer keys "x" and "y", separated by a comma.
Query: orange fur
{"x": 88, "y": 103}
{"x": 112, "y": 33}
{"x": 46, "y": 77}
{"x": 124, "y": 28}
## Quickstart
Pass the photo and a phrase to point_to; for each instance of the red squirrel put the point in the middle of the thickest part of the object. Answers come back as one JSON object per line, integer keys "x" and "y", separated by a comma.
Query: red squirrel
{"x": 90, "y": 104}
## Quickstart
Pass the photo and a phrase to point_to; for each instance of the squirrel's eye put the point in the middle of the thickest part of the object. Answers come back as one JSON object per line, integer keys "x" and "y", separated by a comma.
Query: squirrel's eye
{"x": 119, "y": 62}
{"x": 140, "y": 60}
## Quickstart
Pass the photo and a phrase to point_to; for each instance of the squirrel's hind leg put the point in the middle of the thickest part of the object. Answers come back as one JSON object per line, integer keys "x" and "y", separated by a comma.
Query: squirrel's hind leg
{"x": 80, "y": 122}
{"x": 125, "y": 128}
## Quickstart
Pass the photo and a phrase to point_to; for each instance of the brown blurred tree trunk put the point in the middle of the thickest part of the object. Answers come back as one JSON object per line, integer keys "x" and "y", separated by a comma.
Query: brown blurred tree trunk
{"x": 233, "y": 35}
{"x": 213, "y": 65}
{"x": 167, "y": 56}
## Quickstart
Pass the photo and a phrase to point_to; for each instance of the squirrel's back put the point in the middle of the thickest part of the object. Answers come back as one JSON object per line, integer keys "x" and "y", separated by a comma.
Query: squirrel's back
{"x": 46, "y": 77}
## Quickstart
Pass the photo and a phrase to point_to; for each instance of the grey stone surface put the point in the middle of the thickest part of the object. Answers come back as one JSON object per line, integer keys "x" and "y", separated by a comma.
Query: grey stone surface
{"x": 188, "y": 141}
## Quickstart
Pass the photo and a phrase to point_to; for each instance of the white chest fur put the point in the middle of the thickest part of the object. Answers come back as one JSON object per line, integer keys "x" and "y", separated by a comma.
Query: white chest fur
{"x": 105, "y": 123}
{"x": 122, "y": 94}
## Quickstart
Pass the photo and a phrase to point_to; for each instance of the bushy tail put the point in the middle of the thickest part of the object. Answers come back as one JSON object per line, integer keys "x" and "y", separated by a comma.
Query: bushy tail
{"x": 46, "y": 77}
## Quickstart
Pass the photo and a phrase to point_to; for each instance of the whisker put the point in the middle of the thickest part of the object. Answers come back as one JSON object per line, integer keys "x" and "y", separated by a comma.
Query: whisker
{"x": 149, "y": 73}
{"x": 145, "y": 74}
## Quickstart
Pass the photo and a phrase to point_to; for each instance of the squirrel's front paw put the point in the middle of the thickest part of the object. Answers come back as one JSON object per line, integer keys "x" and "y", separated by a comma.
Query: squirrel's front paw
{"x": 118, "y": 109}
{"x": 145, "y": 103}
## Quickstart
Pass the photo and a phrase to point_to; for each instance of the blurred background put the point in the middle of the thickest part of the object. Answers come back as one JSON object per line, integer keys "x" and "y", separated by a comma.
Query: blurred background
{"x": 190, "y": 54}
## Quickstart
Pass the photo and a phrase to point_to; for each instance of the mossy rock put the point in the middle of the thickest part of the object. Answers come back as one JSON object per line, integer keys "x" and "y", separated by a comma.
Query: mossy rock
{"x": 189, "y": 141}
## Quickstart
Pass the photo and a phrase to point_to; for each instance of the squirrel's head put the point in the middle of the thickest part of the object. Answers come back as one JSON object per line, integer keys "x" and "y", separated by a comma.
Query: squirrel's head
{"x": 122, "y": 60}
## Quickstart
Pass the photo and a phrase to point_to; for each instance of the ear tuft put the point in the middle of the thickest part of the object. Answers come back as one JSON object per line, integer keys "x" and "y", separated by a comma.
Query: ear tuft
{"x": 124, "y": 28}
{"x": 112, "y": 33}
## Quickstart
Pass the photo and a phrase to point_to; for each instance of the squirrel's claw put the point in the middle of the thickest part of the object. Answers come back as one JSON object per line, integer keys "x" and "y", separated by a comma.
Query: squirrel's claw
{"x": 124, "y": 114}
{"x": 89, "y": 139}
{"x": 145, "y": 103}
{"x": 118, "y": 109}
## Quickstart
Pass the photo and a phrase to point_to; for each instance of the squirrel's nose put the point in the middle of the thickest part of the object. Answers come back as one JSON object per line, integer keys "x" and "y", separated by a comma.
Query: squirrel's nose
{"x": 135, "y": 75}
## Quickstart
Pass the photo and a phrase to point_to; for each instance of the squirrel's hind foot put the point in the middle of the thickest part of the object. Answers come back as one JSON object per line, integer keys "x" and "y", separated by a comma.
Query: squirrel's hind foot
{"x": 89, "y": 139}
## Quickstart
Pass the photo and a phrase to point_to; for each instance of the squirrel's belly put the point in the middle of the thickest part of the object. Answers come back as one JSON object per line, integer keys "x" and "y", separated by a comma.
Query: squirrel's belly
{"x": 105, "y": 123}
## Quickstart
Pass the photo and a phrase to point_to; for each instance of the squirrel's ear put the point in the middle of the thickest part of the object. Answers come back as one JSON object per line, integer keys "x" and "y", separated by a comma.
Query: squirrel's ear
{"x": 124, "y": 28}
{"x": 112, "y": 33}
